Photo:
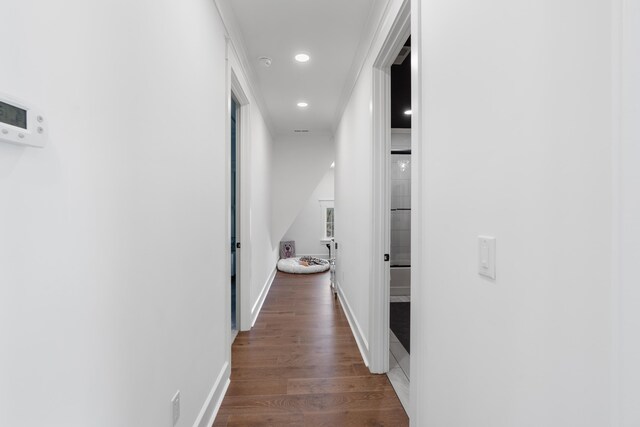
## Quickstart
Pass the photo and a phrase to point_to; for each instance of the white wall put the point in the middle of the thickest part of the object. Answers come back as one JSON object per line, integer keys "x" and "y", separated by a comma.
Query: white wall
{"x": 299, "y": 164}
{"x": 353, "y": 188}
{"x": 264, "y": 254}
{"x": 627, "y": 183}
{"x": 307, "y": 229}
{"x": 516, "y": 127}
{"x": 353, "y": 202}
{"x": 113, "y": 248}
{"x": 258, "y": 253}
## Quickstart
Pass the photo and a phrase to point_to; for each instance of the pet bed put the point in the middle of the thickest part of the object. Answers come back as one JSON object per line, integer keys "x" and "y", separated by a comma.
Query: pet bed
{"x": 292, "y": 265}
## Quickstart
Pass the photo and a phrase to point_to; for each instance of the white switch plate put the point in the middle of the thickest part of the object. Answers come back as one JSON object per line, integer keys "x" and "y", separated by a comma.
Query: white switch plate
{"x": 487, "y": 256}
{"x": 175, "y": 406}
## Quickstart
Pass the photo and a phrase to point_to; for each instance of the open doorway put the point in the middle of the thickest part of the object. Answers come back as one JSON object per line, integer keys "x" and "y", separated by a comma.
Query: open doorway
{"x": 234, "y": 215}
{"x": 392, "y": 208}
{"x": 238, "y": 196}
{"x": 400, "y": 223}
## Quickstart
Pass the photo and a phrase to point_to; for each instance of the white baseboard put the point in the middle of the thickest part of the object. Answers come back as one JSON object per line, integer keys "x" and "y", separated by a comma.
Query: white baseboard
{"x": 363, "y": 345}
{"x": 211, "y": 406}
{"x": 255, "y": 310}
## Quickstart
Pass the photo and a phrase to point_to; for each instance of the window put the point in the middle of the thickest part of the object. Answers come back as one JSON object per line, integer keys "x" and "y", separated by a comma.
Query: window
{"x": 328, "y": 217}
{"x": 328, "y": 223}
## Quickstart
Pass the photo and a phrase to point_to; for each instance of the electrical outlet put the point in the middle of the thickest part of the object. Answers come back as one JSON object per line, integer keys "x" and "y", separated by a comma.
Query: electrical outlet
{"x": 175, "y": 405}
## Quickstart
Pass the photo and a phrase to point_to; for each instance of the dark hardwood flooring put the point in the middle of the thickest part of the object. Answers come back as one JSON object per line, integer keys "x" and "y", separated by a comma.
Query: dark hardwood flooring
{"x": 300, "y": 366}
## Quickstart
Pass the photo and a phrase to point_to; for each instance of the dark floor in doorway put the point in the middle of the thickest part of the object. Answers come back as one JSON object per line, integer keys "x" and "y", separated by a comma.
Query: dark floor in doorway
{"x": 400, "y": 323}
{"x": 234, "y": 321}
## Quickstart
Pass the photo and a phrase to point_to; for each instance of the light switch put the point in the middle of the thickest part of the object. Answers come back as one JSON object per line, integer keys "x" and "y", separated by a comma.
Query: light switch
{"x": 487, "y": 256}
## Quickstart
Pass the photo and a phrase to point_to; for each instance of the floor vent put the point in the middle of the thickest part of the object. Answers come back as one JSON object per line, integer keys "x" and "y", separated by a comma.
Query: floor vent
{"x": 301, "y": 130}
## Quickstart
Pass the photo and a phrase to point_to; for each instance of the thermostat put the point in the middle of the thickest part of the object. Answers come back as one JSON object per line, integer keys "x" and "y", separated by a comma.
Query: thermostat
{"x": 21, "y": 123}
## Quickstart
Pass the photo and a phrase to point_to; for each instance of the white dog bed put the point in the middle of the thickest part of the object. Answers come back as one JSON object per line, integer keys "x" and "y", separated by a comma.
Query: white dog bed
{"x": 292, "y": 265}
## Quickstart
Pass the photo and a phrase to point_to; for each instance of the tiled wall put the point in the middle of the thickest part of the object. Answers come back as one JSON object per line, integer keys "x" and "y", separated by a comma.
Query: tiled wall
{"x": 400, "y": 172}
{"x": 400, "y": 209}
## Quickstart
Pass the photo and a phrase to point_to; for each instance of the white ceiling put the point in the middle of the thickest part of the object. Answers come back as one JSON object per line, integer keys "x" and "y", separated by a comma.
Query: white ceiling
{"x": 335, "y": 33}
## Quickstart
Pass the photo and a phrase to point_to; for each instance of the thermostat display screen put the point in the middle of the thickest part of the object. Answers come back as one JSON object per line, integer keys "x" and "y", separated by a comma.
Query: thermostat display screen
{"x": 12, "y": 115}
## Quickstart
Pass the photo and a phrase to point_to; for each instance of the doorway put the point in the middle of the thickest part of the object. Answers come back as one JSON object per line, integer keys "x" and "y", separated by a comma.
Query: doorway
{"x": 392, "y": 211}
{"x": 234, "y": 216}
{"x": 400, "y": 224}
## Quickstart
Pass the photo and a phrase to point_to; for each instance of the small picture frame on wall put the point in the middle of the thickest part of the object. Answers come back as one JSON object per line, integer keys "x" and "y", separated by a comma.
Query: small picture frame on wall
{"x": 287, "y": 249}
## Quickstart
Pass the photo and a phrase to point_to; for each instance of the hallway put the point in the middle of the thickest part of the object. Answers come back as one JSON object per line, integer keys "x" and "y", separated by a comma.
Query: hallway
{"x": 136, "y": 137}
{"x": 300, "y": 365}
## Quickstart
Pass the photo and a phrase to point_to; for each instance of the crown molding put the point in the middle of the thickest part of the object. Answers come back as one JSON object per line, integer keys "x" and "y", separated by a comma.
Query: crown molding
{"x": 235, "y": 41}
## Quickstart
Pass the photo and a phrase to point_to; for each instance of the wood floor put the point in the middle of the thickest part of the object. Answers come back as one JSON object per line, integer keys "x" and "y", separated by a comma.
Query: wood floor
{"x": 300, "y": 366}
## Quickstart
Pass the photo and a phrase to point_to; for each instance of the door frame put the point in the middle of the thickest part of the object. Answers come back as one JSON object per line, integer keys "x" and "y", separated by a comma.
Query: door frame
{"x": 381, "y": 203}
{"x": 236, "y": 87}
{"x": 626, "y": 207}
{"x": 242, "y": 202}
{"x": 418, "y": 199}
{"x": 233, "y": 99}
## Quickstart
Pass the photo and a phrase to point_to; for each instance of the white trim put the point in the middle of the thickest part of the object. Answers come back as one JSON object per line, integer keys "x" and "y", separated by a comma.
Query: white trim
{"x": 417, "y": 412}
{"x": 358, "y": 65}
{"x": 255, "y": 311}
{"x": 381, "y": 203}
{"x": 237, "y": 47}
{"x": 242, "y": 115}
{"x": 235, "y": 89}
{"x": 400, "y": 130}
{"x": 625, "y": 208}
{"x": 616, "y": 226}
{"x": 209, "y": 410}
{"x": 229, "y": 335}
{"x": 380, "y": 223}
{"x": 361, "y": 341}
{"x": 238, "y": 84}
{"x": 243, "y": 255}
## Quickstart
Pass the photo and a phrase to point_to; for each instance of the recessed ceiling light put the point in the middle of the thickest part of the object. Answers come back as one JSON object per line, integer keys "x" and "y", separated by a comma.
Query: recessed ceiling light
{"x": 302, "y": 57}
{"x": 408, "y": 112}
{"x": 302, "y": 104}
{"x": 333, "y": 165}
